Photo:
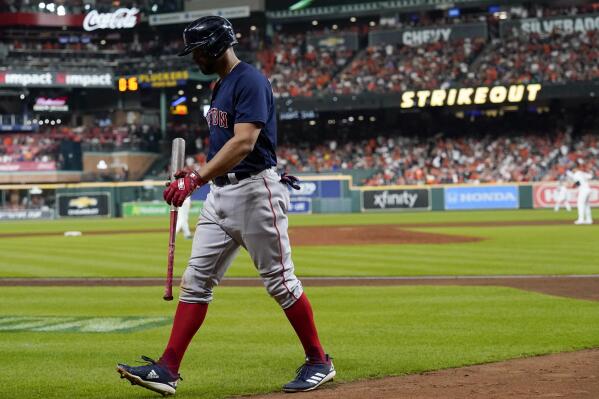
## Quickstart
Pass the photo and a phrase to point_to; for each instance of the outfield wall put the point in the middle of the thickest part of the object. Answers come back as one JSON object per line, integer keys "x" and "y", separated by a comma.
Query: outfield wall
{"x": 317, "y": 194}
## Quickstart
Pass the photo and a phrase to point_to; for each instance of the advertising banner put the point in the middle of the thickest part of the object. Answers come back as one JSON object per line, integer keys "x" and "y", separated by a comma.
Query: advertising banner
{"x": 27, "y": 166}
{"x": 155, "y": 208}
{"x": 300, "y": 205}
{"x": 396, "y": 200}
{"x": 563, "y": 23}
{"x": 546, "y": 195}
{"x": 88, "y": 204}
{"x": 98, "y": 79}
{"x": 318, "y": 189}
{"x": 420, "y": 36}
{"x": 470, "y": 96}
{"x": 348, "y": 40}
{"x": 481, "y": 197}
{"x": 6, "y": 214}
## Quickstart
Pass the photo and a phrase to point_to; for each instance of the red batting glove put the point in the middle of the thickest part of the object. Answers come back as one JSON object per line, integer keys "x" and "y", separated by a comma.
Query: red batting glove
{"x": 186, "y": 182}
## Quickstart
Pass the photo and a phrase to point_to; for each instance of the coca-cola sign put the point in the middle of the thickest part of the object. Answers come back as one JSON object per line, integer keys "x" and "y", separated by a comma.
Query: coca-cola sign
{"x": 123, "y": 18}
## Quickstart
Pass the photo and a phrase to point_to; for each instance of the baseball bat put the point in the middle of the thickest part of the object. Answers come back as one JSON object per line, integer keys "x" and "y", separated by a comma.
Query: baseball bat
{"x": 177, "y": 158}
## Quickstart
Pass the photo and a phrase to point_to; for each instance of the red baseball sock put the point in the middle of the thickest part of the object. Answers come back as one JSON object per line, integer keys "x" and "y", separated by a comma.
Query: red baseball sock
{"x": 301, "y": 318}
{"x": 188, "y": 319}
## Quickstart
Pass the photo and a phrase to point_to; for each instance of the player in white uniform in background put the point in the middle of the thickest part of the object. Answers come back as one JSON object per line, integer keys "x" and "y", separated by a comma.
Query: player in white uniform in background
{"x": 561, "y": 197}
{"x": 581, "y": 180}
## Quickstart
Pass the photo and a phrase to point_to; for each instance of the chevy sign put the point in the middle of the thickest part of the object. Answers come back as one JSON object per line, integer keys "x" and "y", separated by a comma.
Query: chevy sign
{"x": 481, "y": 197}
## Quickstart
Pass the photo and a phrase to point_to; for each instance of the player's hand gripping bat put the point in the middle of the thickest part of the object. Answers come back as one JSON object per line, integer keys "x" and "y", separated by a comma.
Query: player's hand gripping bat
{"x": 177, "y": 158}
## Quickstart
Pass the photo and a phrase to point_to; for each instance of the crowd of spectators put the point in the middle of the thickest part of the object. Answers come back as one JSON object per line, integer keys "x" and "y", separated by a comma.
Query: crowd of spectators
{"x": 397, "y": 159}
{"x": 396, "y": 68}
{"x": 443, "y": 160}
{"x": 296, "y": 68}
{"x": 43, "y": 147}
{"x": 532, "y": 58}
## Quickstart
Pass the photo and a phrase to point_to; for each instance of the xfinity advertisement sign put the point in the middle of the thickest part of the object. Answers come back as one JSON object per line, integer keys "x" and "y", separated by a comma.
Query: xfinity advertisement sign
{"x": 396, "y": 200}
{"x": 484, "y": 197}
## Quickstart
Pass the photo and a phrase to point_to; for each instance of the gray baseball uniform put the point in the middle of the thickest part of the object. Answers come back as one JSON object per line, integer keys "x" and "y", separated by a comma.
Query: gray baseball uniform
{"x": 249, "y": 209}
{"x": 250, "y": 214}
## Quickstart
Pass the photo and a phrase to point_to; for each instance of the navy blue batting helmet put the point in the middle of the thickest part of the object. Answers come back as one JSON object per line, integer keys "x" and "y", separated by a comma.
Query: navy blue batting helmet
{"x": 213, "y": 34}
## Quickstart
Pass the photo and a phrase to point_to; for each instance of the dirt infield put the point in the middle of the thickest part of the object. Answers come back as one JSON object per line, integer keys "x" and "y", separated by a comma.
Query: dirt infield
{"x": 346, "y": 234}
{"x": 566, "y": 375}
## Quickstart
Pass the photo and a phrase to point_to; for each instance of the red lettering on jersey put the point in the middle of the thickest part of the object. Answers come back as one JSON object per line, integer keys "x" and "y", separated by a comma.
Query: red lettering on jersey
{"x": 222, "y": 119}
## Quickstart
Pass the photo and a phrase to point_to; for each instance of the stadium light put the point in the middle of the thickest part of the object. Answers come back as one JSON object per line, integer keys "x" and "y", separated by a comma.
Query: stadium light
{"x": 102, "y": 42}
{"x": 50, "y": 7}
{"x": 238, "y": 35}
{"x": 194, "y": 99}
{"x": 312, "y": 123}
{"x": 87, "y": 7}
{"x": 155, "y": 8}
{"x": 58, "y": 121}
{"x": 372, "y": 23}
{"x": 41, "y": 123}
{"x": 351, "y": 119}
{"x": 47, "y": 121}
{"x": 180, "y": 92}
{"x": 314, "y": 23}
{"x": 22, "y": 96}
{"x": 352, "y": 19}
{"x": 372, "y": 119}
{"x": 52, "y": 123}
{"x": 199, "y": 86}
{"x": 42, "y": 5}
{"x": 61, "y": 10}
{"x": 361, "y": 117}
{"x": 253, "y": 28}
{"x": 335, "y": 27}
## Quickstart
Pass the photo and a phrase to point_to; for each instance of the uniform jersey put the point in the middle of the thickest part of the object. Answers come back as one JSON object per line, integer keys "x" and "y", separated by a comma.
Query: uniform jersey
{"x": 244, "y": 95}
{"x": 582, "y": 178}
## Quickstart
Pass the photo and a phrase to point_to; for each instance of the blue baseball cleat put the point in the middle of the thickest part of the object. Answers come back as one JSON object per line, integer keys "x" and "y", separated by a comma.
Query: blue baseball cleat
{"x": 311, "y": 376}
{"x": 152, "y": 376}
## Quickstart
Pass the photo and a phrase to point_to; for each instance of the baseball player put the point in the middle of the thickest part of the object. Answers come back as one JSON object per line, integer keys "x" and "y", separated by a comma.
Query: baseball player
{"x": 561, "y": 197}
{"x": 247, "y": 206}
{"x": 581, "y": 180}
{"x": 183, "y": 219}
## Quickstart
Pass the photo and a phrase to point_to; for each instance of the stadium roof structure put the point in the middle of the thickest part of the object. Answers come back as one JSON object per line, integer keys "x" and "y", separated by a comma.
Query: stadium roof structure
{"x": 349, "y": 8}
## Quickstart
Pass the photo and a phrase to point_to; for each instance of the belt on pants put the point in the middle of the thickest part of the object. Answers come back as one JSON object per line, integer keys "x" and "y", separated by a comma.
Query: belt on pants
{"x": 232, "y": 178}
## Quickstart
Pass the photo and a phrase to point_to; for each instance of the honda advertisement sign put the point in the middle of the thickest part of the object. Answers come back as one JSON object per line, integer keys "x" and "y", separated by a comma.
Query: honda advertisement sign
{"x": 481, "y": 197}
{"x": 96, "y": 204}
{"x": 546, "y": 195}
{"x": 396, "y": 200}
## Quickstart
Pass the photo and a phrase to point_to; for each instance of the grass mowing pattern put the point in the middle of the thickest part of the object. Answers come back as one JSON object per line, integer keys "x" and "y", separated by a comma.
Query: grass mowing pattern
{"x": 246, "y": 345}
{"x": 557, "y": 249}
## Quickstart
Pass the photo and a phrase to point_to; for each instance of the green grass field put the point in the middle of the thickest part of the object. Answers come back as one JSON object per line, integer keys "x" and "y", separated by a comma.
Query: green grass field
{"x": 64, "y": 342}
{"x": 557, "y": 249}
